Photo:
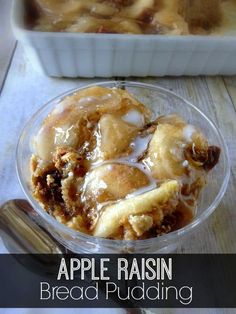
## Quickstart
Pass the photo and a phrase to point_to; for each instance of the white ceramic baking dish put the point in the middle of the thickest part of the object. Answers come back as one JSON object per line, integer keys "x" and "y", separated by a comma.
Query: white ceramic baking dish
{"x": 107, "y": 55}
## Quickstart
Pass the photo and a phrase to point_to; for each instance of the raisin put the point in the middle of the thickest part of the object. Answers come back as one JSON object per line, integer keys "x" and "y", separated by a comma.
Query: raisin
{"x": 147, "y": 16}
{"x": 213, "y": 157}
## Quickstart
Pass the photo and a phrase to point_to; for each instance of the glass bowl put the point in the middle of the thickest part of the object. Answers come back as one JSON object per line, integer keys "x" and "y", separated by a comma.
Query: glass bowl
{"x": 161, "y": 102}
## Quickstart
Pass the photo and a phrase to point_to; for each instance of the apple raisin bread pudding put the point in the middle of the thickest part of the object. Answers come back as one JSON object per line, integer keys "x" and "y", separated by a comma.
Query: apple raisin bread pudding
{"x": 104, "y": 166}
{"x": 173, "y": 17}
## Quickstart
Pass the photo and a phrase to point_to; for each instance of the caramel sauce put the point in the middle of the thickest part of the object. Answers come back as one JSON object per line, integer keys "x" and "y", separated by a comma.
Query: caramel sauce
{"x": 117, "y": 155}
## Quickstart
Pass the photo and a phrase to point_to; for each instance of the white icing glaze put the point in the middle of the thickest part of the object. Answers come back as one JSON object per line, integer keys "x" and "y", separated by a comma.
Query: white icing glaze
{"x": 134, "y": 117}
{"x": 109, "y": 167}
{"x": 188, "y": 132}
{"x": 59, "y": 108}
{"x": 148, "y": 163}
{"x": 139, "y": 146}
{"x": 65, "y": 135}
{"x": 185, "y": 163}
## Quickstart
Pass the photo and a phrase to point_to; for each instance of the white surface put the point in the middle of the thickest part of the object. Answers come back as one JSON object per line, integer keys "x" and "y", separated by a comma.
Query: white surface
{"x": 107, "y": 55}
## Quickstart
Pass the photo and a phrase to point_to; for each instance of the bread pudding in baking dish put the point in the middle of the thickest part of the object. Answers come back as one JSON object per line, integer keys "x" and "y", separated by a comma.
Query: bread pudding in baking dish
{"x": 102, "y": 164}
{"x": 174, "y": 17}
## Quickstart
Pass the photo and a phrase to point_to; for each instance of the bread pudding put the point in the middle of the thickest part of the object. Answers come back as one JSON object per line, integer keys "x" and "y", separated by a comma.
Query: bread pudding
{"x": 174, "y": 17}
{"x": 104, "y": 165}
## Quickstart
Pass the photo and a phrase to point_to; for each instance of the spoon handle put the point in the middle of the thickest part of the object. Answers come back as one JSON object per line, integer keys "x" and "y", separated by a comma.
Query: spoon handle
{"x": 21, "y": 230}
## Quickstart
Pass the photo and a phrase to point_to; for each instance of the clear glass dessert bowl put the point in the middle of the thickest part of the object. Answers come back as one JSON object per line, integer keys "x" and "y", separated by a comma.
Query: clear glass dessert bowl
{"x": 161, "y": 102}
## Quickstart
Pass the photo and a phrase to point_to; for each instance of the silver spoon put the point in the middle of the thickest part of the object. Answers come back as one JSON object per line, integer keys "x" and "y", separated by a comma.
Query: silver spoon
{"x": 21, "y": 231}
